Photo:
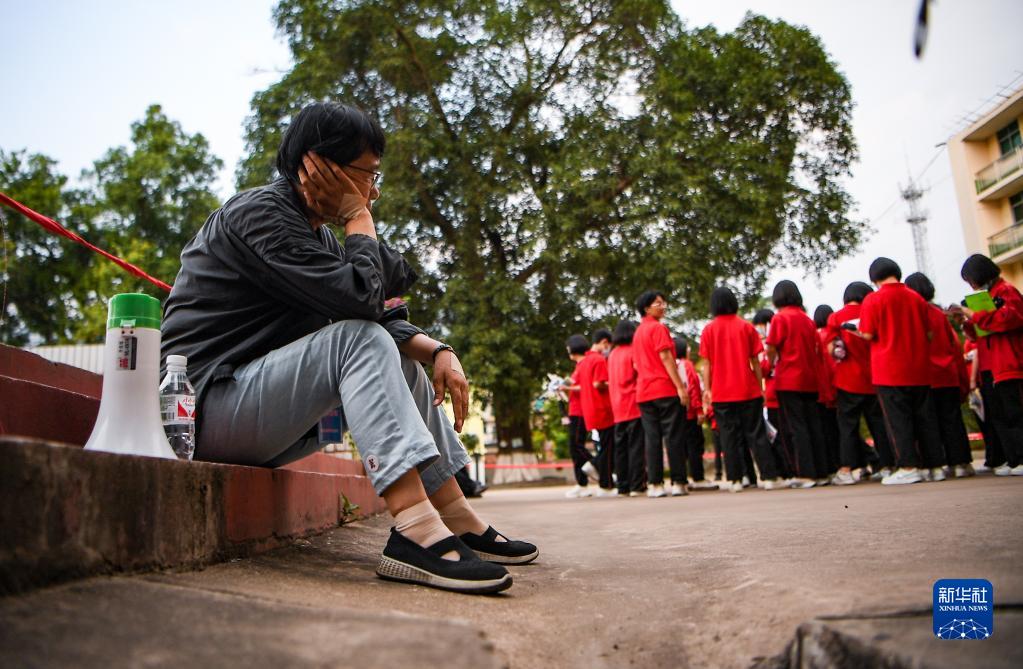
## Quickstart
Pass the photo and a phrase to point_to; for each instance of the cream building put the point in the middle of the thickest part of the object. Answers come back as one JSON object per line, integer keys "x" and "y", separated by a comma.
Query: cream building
{"x": 987, "y": 166}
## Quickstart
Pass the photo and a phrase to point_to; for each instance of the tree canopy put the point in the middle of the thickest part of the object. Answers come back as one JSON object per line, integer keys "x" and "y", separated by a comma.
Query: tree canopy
{"x": 141, "y": 202}
{"x": 547, "y": 162}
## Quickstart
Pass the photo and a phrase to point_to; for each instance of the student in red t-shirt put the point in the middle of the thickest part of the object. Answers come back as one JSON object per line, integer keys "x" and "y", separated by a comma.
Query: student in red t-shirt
{"x": 732, "y": 383}
{"x": 896, "y": 322}
{"x": 630, "y": 449}
{"x": 596, "y": 401}
{"x": 856, "y": 394}
{"x": 582, "y": 460}
{"x": 793, "y": 347}
{"x": 1003, "y": 347}
{"x": 695, "y": 442}
{"x": 762, "y": 322}
{"x": 827, "y": 397}
{"x": 662, "y": 396}
{"x": 950, "y": 384}
{"x": 982, "y": 382}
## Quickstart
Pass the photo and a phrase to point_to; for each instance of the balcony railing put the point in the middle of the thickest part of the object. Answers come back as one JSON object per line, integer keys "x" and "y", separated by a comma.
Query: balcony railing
{"x": 998, "y": 170}
{"x": 1005, "y": 241}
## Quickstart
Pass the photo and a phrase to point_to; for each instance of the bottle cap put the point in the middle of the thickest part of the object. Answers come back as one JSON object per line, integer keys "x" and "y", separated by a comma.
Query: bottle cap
{"x": 134, "y": 310}
{"x": 177, "y": 362}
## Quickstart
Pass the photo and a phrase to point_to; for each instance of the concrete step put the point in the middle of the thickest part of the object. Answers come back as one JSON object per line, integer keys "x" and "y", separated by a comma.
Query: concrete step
{"x": 128, "y": 622}
{"x": 69, "y": 513}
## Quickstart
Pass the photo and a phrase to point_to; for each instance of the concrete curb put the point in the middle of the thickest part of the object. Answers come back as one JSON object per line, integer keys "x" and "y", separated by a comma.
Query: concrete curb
{"x": 69, "y": 513}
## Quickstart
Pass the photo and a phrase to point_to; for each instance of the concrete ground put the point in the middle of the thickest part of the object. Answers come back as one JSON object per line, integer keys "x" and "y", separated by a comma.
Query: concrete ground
{"x": 710, "y": 580}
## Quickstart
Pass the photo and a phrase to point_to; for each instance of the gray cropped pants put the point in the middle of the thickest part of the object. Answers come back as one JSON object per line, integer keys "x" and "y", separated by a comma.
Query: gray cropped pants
{"x": 263, "y": 414}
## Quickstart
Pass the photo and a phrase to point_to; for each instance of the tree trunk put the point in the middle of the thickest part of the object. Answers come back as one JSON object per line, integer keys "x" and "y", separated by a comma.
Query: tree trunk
{"x": 512, "y": 420}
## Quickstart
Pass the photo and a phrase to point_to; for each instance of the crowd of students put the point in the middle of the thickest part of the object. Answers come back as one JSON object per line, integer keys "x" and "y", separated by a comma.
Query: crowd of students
{"x": 784, "y": 395}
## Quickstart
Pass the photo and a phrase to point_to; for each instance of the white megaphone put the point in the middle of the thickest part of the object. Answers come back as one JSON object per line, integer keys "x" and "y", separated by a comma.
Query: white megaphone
{"x": 129, "y": 419}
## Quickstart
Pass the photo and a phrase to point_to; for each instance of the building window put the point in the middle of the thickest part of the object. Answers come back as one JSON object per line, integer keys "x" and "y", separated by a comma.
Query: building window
{"x": 1016, "y": 203}
{"x": 1009, "y": 138}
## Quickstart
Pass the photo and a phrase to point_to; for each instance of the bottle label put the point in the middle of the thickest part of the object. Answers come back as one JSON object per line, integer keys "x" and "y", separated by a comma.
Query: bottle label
{"x": 178, "y": 409}
{"x": 127, "y": 350}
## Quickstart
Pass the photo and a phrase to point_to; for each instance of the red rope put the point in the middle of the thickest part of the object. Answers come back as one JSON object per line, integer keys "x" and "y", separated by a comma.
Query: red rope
{"x": 58, "y": 229}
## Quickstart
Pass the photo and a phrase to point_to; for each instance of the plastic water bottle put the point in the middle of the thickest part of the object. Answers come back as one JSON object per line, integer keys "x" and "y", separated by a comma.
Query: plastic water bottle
{"x": 177, "y": 407}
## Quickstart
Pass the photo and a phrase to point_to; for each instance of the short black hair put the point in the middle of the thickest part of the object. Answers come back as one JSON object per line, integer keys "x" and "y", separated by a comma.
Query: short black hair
{"x": 884, "y": 268}
{"x": 599, "y": 335}
{"x": 624, "y": 332}
{"x": 786, "y": 294}
{"x": 577, "y": 344}
{"x": 820, "y": 315}
{"x": 919, "y": 283}
{"x": 681, "y": 347}
{"x": 723, "y": 302}
{"x": 856, "y": 291}
{"x": 763, "y": 317}
{"x": 646, "y": 298}
{"x": 980, "y": 270}
{"x": 334, "y": 130}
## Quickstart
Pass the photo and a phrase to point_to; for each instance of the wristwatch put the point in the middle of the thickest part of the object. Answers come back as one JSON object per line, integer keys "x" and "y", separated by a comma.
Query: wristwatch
{"x": 442, "y": 347}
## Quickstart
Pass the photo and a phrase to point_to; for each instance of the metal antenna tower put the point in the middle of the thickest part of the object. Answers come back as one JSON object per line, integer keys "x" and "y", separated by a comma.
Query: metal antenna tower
{"x": 917, "y": 220}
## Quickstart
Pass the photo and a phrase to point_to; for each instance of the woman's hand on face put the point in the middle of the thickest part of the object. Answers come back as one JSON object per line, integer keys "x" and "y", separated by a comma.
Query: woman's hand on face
{"x": 448, "y": 374}
{"x": 329, "y": 192}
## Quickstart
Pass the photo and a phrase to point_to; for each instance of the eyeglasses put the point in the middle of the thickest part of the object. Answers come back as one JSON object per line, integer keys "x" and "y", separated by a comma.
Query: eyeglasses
{"x": 376, "y": 175}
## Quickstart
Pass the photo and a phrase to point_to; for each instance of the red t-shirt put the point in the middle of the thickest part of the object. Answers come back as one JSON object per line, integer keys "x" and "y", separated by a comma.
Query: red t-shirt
{"x": 852, "y": 374}
{"x": 794, "y": 335}
{"x": 651, "y": 338}
{"x": 596, "y": 403}
{"x": 770, "y": 396}
{"x": 899, "y": 321}
{"x": 575, "y": 405}
{"x": 728, "y": 343}
{"x": 622, "y": 382}
{"x": 947, "y": 365}
{"x": 826, "y": 393}
{"x": 1004, "y": 345}
{"x": 687, "y": 372}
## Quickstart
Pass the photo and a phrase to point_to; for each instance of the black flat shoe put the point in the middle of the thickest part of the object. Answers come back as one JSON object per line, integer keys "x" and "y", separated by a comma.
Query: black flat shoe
{"x": 406, "y": 561}
{"x": 500, "y": 552}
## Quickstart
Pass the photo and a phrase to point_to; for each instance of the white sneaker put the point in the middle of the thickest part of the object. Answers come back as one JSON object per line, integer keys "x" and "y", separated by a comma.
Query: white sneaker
{"x": 938, "y": 474}
{"x": 823, "y": 482}
{"x": 776, "y": 484}
{"x": 656, "y": 491}
{"x": 981, "y": 469}
{"x": 735, "y": 486}
{"x": 881, "y": 475}
{"x": 859, "y": 474}
{"x": 1017, "y": 470}
{"x": 1003, "y": 470}
{"x": 902, "y": 476}
{"x": 703, "y": 485}
{"x": 591, "y": 471}
{"x": 803, "y": 484}
{"x": 745, "y": 482}
{"x": 844, "y": 478}
{"x": 607, "y": 492}
{"x": 635, "y": 493}
{"x": 678, "y": 490}
{"x": 962, "y": 471}
{"x": 579, "y": 491}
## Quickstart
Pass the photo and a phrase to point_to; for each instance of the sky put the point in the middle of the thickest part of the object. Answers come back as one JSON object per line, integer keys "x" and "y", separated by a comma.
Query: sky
{"x": 76, "y": 75}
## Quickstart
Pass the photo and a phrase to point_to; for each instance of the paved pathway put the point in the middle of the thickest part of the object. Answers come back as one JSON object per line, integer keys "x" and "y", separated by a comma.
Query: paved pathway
{"x": 710, "y": 580}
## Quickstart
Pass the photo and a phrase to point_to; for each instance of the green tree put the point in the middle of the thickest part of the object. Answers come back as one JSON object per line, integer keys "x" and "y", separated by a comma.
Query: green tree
{"x": 546, "y": 162}
{"x": 41, "y": 271}
{"x": 142, "y": 203}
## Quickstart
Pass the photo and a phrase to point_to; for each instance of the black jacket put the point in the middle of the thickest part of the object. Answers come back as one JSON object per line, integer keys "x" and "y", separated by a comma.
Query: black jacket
{"x": 257, "y": 277}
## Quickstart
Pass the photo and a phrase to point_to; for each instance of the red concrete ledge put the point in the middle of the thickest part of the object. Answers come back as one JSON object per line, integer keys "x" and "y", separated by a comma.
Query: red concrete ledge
{"x": 68, "y": 513}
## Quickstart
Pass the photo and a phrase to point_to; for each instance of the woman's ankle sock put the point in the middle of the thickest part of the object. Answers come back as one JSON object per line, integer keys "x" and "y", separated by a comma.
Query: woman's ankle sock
{"x": 422, "y": 524}
{"x": 460, "y": 518}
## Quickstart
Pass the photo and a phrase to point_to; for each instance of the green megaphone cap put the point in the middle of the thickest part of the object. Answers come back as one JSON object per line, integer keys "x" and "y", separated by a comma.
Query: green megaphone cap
{"x": 134, "y": 310}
